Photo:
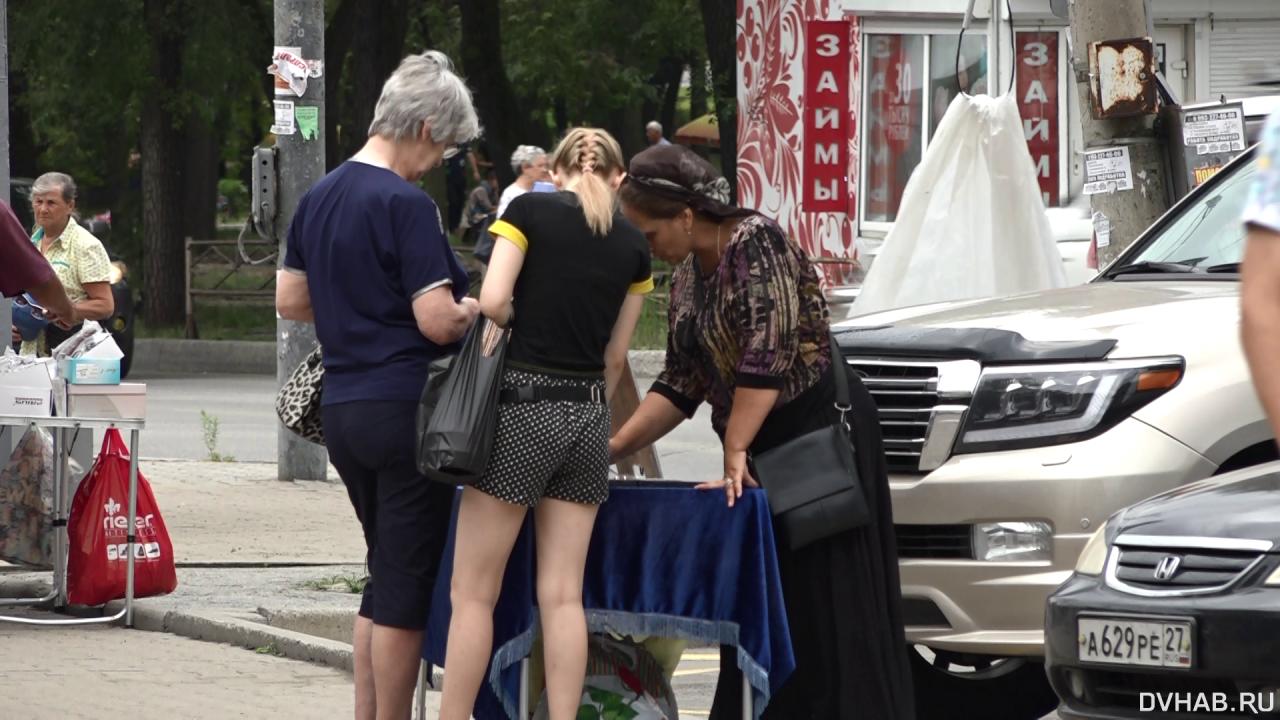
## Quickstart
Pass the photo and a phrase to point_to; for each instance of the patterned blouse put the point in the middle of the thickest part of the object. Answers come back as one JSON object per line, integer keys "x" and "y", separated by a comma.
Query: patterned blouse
{"x": 759, "y": 321}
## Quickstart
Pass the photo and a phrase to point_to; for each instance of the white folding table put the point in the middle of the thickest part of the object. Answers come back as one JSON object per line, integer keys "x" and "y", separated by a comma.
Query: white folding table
{"x": 63, "y": 429}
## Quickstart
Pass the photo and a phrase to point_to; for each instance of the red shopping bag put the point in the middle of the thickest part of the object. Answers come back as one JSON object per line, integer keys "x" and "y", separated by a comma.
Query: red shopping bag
{"x": 99, "y": 529}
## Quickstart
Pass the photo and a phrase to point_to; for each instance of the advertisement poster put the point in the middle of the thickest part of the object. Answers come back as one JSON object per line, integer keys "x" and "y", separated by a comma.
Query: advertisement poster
{"x": 1107, "y": 170}
{"x": 826, "y": 141}
{"x": 1037, "y": 80}
{"x": 895, "y": 113}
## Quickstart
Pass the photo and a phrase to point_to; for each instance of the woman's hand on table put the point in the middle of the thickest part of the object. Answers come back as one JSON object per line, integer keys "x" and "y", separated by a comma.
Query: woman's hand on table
{"x": 736, "y": 476}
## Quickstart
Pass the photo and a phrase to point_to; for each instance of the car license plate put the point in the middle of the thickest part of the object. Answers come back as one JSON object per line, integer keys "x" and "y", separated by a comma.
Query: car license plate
{"x": 1131, "y": 641}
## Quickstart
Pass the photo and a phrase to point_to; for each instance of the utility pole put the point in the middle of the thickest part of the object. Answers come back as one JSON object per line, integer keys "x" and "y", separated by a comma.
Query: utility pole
{"x": 1127, "y": 212}
{"x": 299, "y": 163}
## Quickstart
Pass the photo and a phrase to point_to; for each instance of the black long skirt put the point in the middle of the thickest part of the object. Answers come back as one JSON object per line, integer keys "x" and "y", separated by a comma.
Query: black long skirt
{"x": 843, "y": 594}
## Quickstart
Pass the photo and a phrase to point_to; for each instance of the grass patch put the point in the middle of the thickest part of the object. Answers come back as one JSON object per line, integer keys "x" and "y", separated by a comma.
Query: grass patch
{"x": 353, "y": 584}
{"x": 270, "y": 649}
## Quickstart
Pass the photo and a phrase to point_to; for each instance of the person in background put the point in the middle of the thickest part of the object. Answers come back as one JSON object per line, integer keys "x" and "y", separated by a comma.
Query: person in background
{"x": 1260, "y": 275}
{"x": 653, "y": 131}
{"x": 530, "y": 164}
{"x": 481, "y": 212}
{"x": 455, "y": 179}
{"x": 24, "y": 270}
{"x": 78, "y": 258}
{"x": 368, "y": 261}
{"x": 749, "y": 334}
{"x": 567, "y": 351}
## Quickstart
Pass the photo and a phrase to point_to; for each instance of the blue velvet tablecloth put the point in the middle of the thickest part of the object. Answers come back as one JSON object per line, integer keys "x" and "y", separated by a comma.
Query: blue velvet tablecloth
{"x": 664, "y": 560}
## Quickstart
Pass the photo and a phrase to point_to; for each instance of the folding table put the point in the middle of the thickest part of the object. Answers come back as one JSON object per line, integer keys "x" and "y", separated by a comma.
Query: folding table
{"x": 63, "y": 429}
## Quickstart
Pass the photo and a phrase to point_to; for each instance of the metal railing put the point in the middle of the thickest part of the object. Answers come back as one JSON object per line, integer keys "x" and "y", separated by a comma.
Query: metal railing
{"x": 228, "y": 263}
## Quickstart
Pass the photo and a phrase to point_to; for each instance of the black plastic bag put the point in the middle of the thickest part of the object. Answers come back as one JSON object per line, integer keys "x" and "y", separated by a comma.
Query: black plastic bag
{"x": 455, "y": 446}
{"x": 437, "y": 374}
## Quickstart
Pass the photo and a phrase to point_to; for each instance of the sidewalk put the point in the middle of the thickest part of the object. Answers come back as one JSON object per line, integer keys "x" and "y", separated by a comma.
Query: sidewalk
{"x": 102, "y": 672}
{"x": 251, "y": 551}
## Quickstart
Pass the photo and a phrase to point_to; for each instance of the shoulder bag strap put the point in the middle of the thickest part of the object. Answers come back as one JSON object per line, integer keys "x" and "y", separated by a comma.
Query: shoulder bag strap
{"x": 840, "y": 370}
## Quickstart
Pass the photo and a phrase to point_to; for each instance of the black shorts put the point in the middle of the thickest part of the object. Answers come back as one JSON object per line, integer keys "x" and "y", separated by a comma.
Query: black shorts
{"x": 549, "y": 449}
{"x": 404, "y": 515}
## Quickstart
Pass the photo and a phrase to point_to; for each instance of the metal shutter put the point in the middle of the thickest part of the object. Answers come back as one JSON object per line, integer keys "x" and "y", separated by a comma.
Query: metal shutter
{"x": 1235, "y": 48}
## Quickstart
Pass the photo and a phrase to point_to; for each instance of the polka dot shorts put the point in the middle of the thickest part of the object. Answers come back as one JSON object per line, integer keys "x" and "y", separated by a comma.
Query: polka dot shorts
{"x": 549, "y": 449}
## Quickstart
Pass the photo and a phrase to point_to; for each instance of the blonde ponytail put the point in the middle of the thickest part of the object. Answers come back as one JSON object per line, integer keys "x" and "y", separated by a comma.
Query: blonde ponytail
{"x": 587, "y": 159}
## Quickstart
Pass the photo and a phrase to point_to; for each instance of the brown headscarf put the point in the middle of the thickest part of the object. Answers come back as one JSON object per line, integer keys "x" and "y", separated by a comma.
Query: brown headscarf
{"x": 674, "y": 172}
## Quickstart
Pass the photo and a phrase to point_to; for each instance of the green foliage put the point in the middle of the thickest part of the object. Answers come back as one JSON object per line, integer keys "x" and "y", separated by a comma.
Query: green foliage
{"x": 237, "y": 196}
{"x": 210, "y": 425}
{"x": 597, "y": 55}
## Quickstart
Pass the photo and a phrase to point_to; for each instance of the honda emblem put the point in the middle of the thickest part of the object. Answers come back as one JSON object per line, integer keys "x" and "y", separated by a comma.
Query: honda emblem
{"x": 1167, "y": 567}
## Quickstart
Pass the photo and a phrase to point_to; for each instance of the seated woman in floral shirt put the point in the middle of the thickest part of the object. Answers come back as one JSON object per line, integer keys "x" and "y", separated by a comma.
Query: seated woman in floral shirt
{"x": 749, "y": 334}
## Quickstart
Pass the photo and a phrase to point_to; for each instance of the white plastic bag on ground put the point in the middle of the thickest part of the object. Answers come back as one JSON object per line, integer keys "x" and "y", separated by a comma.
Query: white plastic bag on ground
{"x": 972, "y": 223}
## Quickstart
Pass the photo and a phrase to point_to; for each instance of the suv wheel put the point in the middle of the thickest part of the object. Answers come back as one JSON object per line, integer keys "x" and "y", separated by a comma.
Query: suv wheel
{"x": 960, "y": 686}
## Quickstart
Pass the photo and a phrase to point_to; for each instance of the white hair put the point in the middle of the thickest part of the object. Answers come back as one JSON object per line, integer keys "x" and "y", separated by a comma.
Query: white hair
{"x": 55, "y": 181}
{"x": 525, "y": 155}
{"x": 655, "y": 125}
{"x": 424, "y": 89}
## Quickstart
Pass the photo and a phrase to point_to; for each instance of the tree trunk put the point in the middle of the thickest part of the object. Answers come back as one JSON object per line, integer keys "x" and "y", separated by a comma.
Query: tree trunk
{"x": 670, "y": 74}
{"x": 561, "y": 112}
{"x": 505, "y": 126}
{"x": 163, "y": 303}
{"x": 378, "y": 48}
{"x": 697, "y": 87}
{"x": 337, "y": 45}
{"x": 719, "y": 22}
{"x": 200, "y": 180}
{"x": 23, "y": 154}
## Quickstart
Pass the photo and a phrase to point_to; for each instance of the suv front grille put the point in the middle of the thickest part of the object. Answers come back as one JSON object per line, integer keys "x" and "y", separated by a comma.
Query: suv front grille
{"x": 1198, "y": 569}
{"x": 905, "y": 394}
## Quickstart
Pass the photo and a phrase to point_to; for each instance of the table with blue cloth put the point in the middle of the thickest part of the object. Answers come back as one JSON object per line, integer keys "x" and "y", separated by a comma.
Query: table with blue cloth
{"x": 665, "y": 560}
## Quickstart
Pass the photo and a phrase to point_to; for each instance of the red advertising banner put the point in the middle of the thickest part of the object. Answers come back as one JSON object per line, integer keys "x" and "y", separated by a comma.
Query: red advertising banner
{"x": 826, "y": 117}
{"x": 893, "y": 121}
{"x": 1038, "y": 105}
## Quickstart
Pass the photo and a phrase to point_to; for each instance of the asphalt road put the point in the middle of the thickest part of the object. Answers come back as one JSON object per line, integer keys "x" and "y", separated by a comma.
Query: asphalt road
{"x": 244, "y": 406}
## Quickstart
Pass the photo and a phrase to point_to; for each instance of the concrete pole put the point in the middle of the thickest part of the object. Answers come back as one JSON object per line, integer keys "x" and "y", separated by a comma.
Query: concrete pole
{"x": 1129, "y": 211}
{"x": 299, "y": 164}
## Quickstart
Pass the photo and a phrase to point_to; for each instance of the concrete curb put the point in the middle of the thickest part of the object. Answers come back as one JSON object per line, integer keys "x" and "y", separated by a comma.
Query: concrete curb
{"x": 248, "y": 357}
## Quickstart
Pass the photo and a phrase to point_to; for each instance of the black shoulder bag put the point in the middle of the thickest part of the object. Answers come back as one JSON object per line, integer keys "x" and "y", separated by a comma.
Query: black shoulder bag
{"x": 812, "y": 481}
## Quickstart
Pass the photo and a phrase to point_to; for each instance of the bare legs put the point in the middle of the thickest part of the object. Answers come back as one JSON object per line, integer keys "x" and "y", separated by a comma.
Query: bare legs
{"x": 392, "y": 657}
{"x": 366, "y": 699}
{"x": 487, "y": 530}
{"x": 564, "y": 533}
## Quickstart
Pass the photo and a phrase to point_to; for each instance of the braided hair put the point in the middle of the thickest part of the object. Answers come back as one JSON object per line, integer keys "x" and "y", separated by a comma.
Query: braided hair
{"x": 586, "y": 160}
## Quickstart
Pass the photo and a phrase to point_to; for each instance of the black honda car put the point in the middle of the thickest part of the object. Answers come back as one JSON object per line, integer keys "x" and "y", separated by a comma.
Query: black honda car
{"x": 121, "y": 322}
{"x": 1174, "y": 608}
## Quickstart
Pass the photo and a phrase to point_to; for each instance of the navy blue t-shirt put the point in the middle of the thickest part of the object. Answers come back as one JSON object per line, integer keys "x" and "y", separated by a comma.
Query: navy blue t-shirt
{"x": 369, "y": 242}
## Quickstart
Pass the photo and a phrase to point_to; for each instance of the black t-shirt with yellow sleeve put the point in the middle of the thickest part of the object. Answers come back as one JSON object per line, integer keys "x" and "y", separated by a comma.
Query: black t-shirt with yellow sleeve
{"x": 572, "y": 284}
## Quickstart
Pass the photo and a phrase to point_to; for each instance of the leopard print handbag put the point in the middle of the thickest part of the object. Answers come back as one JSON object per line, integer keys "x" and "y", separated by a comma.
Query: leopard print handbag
{"x": 298, "y": 403}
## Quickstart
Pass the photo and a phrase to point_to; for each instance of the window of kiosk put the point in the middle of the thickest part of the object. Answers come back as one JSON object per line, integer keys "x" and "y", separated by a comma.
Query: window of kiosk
{"x": 909, "y": 80}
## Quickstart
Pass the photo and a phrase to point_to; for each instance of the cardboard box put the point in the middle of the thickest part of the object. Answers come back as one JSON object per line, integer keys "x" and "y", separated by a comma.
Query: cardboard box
{"x": 27, "y": 392}
{"x": 126, "y": 401}
{"x": 90, "y": 371}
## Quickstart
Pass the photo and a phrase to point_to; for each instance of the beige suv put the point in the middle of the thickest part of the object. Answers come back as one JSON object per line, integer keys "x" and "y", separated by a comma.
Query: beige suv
{"x": 1014, "y": 427}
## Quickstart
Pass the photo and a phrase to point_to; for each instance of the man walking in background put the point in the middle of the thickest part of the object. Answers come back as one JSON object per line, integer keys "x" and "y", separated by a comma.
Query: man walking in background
{"x": 654, "y": 132}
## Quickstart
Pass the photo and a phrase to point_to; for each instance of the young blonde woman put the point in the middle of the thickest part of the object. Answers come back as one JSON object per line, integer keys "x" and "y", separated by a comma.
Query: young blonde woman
{"x": 568, "y": 274}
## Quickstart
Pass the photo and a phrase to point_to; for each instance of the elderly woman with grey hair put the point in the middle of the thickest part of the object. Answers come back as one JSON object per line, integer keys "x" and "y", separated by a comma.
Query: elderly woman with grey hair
{"x": 368, "y": 261}
{"x": 530, "y": 164}
{"x": 78, "y": 259}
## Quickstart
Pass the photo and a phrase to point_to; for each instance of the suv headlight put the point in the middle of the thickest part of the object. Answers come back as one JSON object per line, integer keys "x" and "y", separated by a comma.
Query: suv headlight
{"x": 1040, "y": 405}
